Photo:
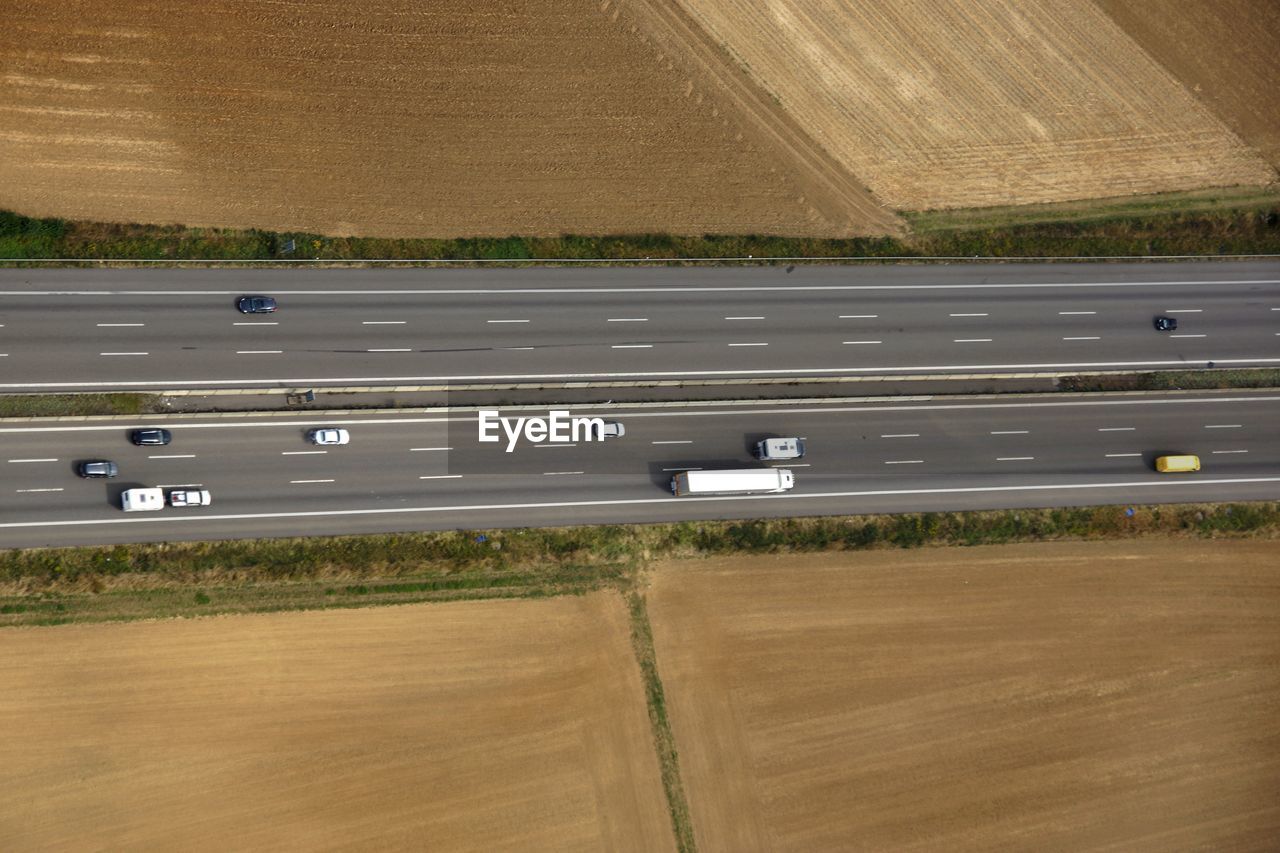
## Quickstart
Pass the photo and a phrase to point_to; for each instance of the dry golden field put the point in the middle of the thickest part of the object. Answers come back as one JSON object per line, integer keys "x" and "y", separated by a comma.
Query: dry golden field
{"x": 1110, "y": 695}
{"x": 940, "y": 103}
{"x": 1222, "y": 50}
{"x": 503, "y": 725}
{"x": 390, "y": 118}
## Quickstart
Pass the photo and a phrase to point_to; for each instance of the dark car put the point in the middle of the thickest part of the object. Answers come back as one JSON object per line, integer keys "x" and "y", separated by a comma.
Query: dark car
{"x": 256, "y": 305}
{"x": 98, "y": 469}
{"x": 150, "y": 437}
{"x": 1166, "y": 324}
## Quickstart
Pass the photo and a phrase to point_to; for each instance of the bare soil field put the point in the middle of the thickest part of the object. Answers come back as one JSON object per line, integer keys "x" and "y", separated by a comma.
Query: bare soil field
{"x": 1222, "y": 50}
{"x": 390, "y": 118}
{"x": 1070, "y": 696}
{"x": 941, "y": 104}
{"x": 497, "y": 725}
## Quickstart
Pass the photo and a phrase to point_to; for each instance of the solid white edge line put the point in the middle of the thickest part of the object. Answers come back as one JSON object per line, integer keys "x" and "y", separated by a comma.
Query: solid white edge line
{"x": 1075, "y": 285}
{"x": 679, "y": 374}
{"x": 1164, "y": 482}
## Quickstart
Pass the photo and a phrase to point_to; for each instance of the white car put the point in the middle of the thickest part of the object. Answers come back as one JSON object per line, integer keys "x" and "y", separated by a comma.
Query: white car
{"x": 190, "y": 497}
{"x": 609, "y": 429}
{"x": 328, "y": 435}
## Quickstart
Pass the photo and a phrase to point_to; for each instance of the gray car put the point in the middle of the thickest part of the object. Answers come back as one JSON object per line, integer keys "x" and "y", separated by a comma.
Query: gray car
{"x": 98, "y": 469}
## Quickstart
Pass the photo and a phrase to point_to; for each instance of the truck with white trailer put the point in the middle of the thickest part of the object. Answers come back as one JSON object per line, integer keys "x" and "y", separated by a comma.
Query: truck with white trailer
{"x": 142, "y": 500}
{"x": 189, "y": 497}
{"x": 738, "y": 481}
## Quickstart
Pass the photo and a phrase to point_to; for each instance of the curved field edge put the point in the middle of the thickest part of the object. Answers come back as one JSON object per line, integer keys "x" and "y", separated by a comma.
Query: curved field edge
{"x": 1230, "y": 222}
{"x": 124, "y": 582}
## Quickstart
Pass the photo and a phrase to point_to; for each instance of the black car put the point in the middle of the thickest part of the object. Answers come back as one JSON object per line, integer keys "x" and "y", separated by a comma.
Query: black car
{"x": 150, "y": 437}
{"x": 256, "y": 305}
{"x": 1166, "y": 324}
{"x": 98, "y": 469}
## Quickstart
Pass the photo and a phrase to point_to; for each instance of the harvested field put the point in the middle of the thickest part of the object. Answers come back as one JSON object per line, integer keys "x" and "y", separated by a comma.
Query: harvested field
{"x": 389, "y": 118}
{"x": 1110, "y": 695}
{"x": 1222, "y": 50}
{"x": 475, "y": 725}
{"x": 939, "y": 103}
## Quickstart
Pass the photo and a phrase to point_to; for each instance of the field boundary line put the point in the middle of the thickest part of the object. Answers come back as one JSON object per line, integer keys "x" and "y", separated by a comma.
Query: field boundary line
{"x": 664, "y": 741}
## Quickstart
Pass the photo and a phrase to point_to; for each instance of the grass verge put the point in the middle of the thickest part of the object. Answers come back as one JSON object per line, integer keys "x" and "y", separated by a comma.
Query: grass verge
{"x": 1238, "y": 221}
{"x": 663, "y": 738}
{"x": 1175, "y": 380}
{"x": 56, "y": 405}
{"x": 60, "y": 585}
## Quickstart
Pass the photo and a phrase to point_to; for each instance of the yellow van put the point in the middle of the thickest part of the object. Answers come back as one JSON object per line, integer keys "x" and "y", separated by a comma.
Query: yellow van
{"x": 1176, "y": 464}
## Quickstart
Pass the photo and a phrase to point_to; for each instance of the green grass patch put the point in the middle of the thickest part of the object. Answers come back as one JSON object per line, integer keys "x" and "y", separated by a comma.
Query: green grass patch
{"x": 1175, "y": 380}
{"x": 56, "y": 405}
{"x": 55, "y": 585}
{"x": 663, "y": 738}
{"x": 1233, "y": 221}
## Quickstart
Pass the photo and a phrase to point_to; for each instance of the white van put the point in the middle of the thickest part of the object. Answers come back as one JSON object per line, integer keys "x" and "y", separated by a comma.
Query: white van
{"x": 779, "y": 448}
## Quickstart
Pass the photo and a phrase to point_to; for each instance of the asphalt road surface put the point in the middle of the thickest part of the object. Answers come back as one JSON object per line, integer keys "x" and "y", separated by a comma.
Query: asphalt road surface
{"x": 427, "y": 470}
{"x": 175, "y": 329}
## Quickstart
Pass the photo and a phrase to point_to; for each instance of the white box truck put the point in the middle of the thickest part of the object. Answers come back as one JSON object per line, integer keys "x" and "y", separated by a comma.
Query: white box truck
{"x": 739, "y": 481}
{"x": 142, "y": 500}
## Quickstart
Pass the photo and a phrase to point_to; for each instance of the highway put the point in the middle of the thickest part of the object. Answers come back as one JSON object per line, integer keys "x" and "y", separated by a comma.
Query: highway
{"x": 178, "y": 329}
{"x": 417, "y": 470}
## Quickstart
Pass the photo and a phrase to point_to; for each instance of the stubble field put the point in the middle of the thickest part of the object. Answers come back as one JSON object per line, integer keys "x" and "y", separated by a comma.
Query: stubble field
{"x": 1110, "y": 695}
{"x": 1221, "y": 50}
{"x": 942, "y": 104}
{"x": 391, "y": 118}
{"x": 498, "y": 725}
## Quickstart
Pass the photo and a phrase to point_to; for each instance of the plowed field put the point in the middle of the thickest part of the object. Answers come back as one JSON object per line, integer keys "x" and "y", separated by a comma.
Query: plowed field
{"x": 511, "y": 725}
{"x": 1222, "y": 50}
{"x": 386, "y": 118}
{"x": 940, "y": 103}
{"x": 1116, "y": 696}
